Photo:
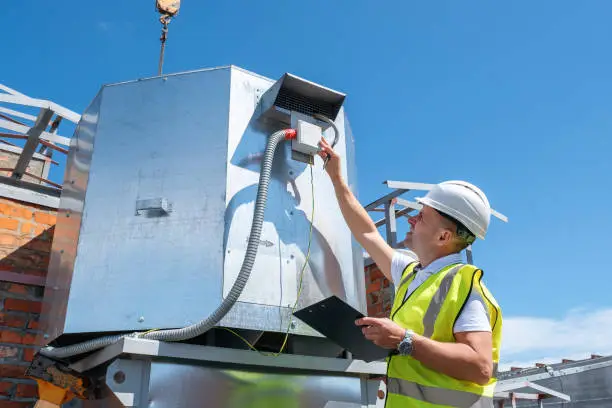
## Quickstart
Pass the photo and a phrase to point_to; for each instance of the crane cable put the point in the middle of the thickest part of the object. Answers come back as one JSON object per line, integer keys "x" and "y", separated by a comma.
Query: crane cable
{"x": 167, "y": 9}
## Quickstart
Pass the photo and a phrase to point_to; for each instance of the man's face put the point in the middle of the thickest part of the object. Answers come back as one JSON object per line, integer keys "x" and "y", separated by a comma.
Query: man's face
{"x": 428, "y": 229}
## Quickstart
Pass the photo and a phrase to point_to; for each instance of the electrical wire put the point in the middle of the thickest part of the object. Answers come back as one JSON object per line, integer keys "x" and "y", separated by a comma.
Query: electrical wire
{"x": 300, "y": 285}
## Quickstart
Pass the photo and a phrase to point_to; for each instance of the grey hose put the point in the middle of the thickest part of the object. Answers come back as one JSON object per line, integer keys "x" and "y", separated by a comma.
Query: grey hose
{"x": 332, "y": 124}
{"x": 336, "y": 133}
{"x": 241, "y": 280}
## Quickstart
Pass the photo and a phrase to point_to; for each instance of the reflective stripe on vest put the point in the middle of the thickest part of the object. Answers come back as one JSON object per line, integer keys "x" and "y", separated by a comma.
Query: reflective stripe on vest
{"x": 440, "y": 396}
{"x": 436, "y": 303}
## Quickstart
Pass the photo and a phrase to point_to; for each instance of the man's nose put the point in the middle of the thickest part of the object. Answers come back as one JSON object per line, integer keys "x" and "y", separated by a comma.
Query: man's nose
{"x": 412, "y": 221}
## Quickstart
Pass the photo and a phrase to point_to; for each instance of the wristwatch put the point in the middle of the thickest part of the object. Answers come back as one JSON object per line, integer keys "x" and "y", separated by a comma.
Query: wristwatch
{"x": 405, "y": 347}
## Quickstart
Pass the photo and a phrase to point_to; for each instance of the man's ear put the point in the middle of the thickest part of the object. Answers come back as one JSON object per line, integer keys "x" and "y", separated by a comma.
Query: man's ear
{"x": 445, "y": 236}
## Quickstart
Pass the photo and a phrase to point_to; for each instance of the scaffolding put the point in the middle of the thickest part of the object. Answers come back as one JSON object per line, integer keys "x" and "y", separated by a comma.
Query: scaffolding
{"x": 40, "y": 139}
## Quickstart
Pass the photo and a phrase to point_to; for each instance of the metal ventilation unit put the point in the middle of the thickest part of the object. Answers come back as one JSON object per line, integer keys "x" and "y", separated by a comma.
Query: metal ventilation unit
{"x": 158, "y": 204}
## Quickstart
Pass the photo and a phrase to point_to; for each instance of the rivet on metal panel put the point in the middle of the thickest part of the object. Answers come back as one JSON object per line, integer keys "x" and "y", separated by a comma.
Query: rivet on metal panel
{"x": 119, "y": 377}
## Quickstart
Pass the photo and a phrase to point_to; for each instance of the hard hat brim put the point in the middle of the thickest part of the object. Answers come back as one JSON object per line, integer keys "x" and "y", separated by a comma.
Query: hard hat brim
{"x": 448, "y": 211}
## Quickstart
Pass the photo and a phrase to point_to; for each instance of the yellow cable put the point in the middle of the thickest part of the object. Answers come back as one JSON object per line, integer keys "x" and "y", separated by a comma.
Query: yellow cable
{"x": 299, "y": 286}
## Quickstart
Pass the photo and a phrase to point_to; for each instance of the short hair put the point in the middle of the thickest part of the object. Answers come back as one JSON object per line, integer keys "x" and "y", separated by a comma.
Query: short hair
{"x": 464, "y": 234}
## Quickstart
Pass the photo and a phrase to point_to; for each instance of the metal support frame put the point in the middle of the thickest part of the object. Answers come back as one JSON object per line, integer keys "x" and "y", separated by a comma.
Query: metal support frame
{"x": 520, "y": 390}
{"x": 130, "y": 362}
{"x": 144, "y": 348}
{"x": 391, "y": 200}
{"x": 41, "y": 132}
{"x": 44, "y": 117}
{"x": 388, "y": 202}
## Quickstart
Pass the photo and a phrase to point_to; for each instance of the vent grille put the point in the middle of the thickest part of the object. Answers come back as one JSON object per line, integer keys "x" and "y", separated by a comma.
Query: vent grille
{"x": 292, "y": 101}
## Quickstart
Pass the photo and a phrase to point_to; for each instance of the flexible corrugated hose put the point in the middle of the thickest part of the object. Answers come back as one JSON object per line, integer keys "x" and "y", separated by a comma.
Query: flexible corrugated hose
{"x": 203, "y": 326}
{"x": 336, "y": 133}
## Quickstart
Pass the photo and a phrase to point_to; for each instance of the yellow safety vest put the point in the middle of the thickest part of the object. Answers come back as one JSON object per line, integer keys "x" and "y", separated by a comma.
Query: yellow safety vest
{"x": 431, "y": 311}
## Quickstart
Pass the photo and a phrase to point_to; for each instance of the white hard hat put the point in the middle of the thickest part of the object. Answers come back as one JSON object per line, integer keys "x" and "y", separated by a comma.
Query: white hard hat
{"x": 462, "y": 201}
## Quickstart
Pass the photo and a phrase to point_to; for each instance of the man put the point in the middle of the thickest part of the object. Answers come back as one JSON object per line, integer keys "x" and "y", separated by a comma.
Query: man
{"x": 444, "y": 332}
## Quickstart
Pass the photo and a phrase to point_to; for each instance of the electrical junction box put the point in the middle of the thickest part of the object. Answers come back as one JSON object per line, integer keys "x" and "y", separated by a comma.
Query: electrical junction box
{"x": 306, "y": 144}
{"x": 308, "y": 137}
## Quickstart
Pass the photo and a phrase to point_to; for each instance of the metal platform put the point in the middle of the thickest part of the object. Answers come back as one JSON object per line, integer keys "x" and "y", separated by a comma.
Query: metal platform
{"x": 145, "y": 373}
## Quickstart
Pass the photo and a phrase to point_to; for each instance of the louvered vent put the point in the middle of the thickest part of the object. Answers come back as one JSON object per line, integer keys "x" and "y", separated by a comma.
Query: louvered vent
{"x": 291, "y": 93}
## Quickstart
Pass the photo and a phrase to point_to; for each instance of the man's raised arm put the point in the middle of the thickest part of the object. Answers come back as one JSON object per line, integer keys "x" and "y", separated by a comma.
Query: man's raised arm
{"x": 359, "y": 222}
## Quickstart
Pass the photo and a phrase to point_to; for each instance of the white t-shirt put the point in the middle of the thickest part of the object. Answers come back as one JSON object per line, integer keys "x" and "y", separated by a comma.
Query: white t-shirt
{"x": 473, "y": 317}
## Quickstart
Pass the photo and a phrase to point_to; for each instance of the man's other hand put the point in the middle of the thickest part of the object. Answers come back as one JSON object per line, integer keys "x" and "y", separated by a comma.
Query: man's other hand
{"x": 381, "y": 331}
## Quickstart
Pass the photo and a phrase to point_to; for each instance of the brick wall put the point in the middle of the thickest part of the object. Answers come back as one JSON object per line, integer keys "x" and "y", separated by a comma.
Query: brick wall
{"x": 26, "y": 231}
{"x": 379, "y": 291}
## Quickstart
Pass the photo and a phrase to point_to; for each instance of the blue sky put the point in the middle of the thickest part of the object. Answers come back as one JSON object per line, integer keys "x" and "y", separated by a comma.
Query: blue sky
{"x": 512, "y": 96}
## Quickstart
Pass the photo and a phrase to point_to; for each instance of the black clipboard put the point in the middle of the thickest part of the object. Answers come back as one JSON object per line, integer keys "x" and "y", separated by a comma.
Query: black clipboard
{"x": 335, "y": 319}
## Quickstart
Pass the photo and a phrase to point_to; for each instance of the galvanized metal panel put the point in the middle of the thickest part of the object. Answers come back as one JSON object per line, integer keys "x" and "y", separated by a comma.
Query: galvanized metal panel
{"x": 159, "y": 138}
{"x": 334, "y": 266}
{"x": 69, "y": 216}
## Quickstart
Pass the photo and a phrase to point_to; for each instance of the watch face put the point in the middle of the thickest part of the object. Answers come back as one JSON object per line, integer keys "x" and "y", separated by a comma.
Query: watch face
{"x": 405, "y": 346}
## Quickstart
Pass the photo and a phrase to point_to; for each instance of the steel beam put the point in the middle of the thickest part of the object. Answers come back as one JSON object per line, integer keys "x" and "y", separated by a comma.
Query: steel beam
{"x": 548, "y": 391}
{"x": 17, "y": 114}
{"x": 24, "y": 130}
{"x": 408, "y": 185}
{"x": 29, "y": 192}
{"x": 44, "y": 117}
{"x": 9, "y": 147}
{"x": 11, "y": 90}
{"x": 384, "y": 199}
{"x": 398, "y": 214}
{"x": 141, "y": 348}
{"x": 390, "y": 224}
{"x": 413, "y": 205}
{"x": 21, "y": 99}
{"x": 499, "y": 215}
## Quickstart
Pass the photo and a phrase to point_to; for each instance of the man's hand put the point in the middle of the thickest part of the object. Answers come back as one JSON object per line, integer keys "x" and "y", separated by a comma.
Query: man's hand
{"x": 333, "y": 167}
{"x": 383, "y": 332}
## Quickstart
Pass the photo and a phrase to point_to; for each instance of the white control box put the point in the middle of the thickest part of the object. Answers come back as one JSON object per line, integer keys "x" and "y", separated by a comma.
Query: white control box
{"x": 308, "y": 138}
{"x": 308, "y": 134}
